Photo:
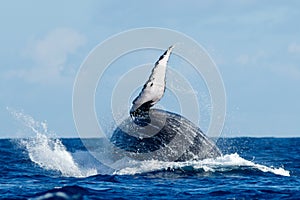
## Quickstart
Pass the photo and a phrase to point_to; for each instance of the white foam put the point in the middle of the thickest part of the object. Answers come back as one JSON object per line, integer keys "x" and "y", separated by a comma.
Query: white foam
{"x": 230, "y": 161}
{"x": 50, "y": 153}
{"x": 219, "y": 164}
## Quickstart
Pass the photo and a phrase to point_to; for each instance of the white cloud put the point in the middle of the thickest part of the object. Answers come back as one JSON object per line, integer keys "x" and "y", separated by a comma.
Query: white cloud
{"x": 291, "y": 72}
{"x": 50, "y": 56}
{"x": 255, "y": 58}
{"x": 54, "y": 48}
{"x": 262, "y": 59}
{"x": 294, "y": 48}
{"x": 243, "y": 59}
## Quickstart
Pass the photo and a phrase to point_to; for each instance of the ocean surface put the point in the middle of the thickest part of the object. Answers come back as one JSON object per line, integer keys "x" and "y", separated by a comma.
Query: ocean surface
{"x": 43, "y": 167}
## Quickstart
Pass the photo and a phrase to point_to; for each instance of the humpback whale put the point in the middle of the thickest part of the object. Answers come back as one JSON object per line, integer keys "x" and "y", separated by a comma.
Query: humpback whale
{"x": 158, "y": 134}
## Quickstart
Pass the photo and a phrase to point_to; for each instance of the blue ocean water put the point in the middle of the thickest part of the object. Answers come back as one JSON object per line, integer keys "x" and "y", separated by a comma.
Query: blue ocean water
{"x": 42, "y": 167}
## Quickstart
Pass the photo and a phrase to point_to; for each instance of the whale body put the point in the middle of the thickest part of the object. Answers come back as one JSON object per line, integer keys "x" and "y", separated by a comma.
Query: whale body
{"x": 150, "y": 133}
{"x": 189, "y": 142}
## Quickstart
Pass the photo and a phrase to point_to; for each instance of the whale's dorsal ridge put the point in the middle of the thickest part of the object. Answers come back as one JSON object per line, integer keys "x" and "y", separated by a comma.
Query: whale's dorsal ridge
{"x": 154, "y": 88}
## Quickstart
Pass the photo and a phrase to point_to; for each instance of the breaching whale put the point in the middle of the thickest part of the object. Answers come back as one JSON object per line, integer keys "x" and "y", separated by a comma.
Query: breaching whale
{"x": 158, "y": 134}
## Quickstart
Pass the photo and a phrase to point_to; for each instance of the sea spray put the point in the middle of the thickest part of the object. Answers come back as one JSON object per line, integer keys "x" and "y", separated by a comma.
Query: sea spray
{"x": 49, "y": 152}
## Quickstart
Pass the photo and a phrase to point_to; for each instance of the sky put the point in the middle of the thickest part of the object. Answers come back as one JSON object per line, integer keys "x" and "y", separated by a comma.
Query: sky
{"x": 255, "y": 44}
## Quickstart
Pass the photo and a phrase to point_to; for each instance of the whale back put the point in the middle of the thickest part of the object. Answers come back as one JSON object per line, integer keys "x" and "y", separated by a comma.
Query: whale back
{"x": 164, "y": 136}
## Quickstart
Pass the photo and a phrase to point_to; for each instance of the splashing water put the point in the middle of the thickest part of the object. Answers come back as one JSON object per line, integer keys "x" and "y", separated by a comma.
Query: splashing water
{"x": 49, "y": 153}
{"x": 224, "y": 163}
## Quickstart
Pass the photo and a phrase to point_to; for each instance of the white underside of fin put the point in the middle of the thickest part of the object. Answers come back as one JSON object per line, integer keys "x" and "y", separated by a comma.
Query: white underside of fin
{"x": 154, "y": 88}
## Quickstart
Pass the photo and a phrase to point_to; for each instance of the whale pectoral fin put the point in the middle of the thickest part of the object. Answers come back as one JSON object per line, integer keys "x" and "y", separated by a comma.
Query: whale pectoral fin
{"x": 154, "y": 88}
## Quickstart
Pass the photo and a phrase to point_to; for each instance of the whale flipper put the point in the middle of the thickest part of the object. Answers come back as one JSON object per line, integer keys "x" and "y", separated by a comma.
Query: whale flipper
{"x": 154, "y": 88}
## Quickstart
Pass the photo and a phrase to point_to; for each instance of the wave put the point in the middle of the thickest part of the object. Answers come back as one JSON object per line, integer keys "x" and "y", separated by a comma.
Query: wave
{"x": 66, "y": 192}
{"x": 224, "y": 164}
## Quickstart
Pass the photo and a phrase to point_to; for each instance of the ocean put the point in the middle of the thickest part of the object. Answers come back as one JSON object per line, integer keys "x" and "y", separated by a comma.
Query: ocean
{"x": 45, "y": 167}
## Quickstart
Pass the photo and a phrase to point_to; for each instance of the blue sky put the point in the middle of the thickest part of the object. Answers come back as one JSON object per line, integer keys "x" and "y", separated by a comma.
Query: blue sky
{"x": 255, "y": 44}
